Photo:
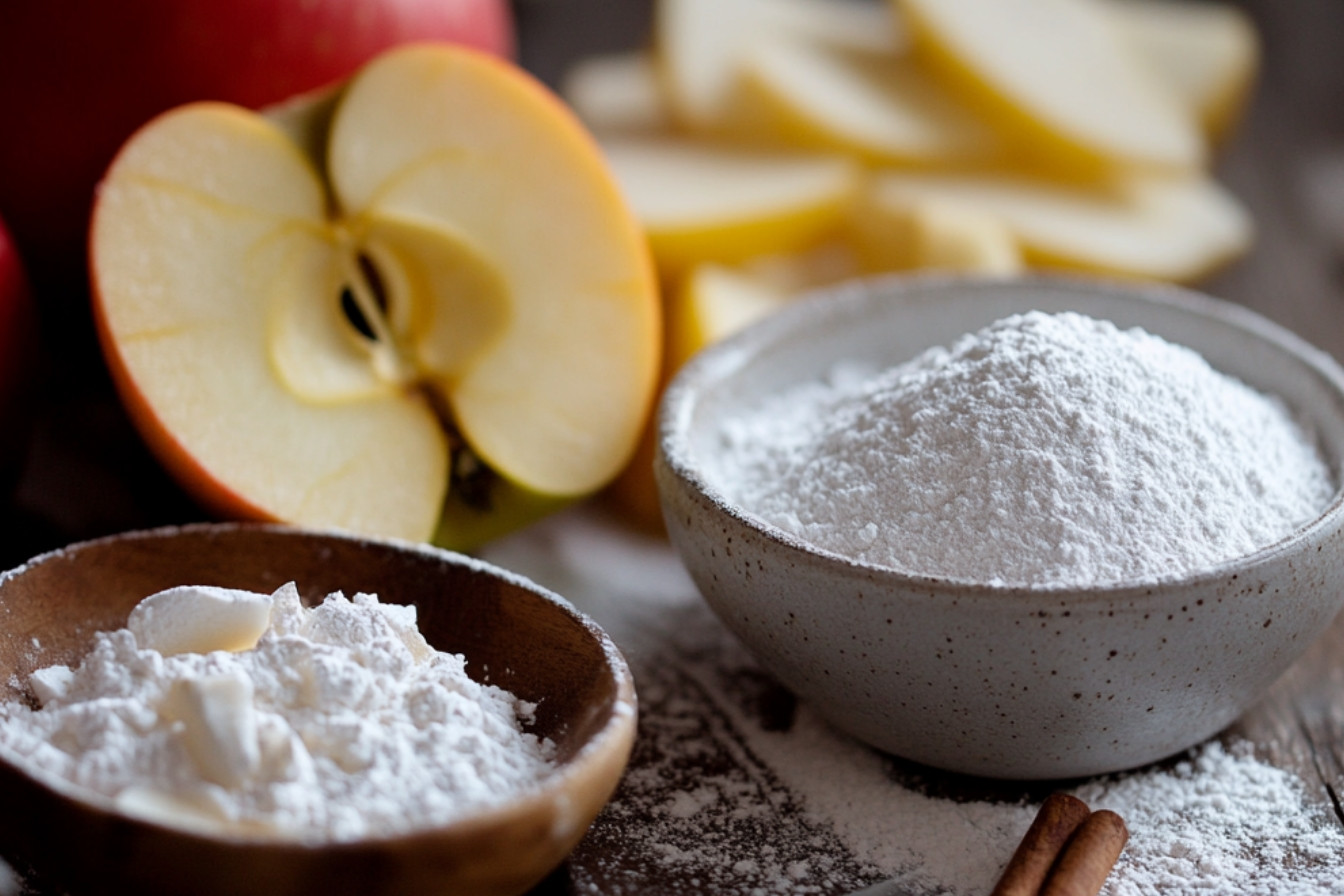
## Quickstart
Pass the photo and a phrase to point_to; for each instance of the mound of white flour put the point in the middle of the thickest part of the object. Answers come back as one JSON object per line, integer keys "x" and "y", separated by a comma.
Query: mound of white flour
{"x": 330, "y": 723}
{"x": 1044, "y": 449}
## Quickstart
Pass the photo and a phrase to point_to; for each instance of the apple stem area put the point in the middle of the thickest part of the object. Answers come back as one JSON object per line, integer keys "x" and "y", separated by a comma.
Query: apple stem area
{"x": 364, "y": 304}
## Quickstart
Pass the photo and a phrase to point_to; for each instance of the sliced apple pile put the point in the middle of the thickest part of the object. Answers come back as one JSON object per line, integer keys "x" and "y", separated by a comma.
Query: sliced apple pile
{"x": 439, "y": 327}
{"x": 773, "y": 146}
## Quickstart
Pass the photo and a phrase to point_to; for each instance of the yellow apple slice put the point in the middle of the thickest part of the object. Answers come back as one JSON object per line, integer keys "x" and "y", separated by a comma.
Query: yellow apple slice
{"x": 804, "y": 92}
{"x": 1176, "y": 228}
{"x": 704, "y": 203}
{"x": 881, "y": 106}
{"x": 1060, "y": 74}
{"x": 453, "y": 310}
{"x": 616, "y": 93}
{"x": 713, "y": 302}
{"x": 866, "y": 26}
{"x": 1206, "y": 53}
{"x": 707, "y": 304}
{"x": 937, "y": 234}
{"x": 701, "y": 45}
{"x": 833, "y": 259}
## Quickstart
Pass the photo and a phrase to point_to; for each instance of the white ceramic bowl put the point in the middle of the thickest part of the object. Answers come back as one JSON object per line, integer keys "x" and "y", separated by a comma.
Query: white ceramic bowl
{"x": 1010, "y": 682}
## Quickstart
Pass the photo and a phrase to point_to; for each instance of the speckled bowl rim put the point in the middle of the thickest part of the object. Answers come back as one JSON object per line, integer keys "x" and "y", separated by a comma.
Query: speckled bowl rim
{"x": 618, "y": 728}
{"x": 822, "y": 307}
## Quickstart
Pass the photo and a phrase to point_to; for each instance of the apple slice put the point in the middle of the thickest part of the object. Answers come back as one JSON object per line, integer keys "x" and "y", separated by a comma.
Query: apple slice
{"x": 701, "y": 46}
{"x": 617, "y": 93}
{"x": 865, "y": 26}
{"x": 450, "y": 314}
{"x": 833, "y": 259}
{"x": 1207, "y": 54}
{"x": 1176, "y": 228}
{"x": 936, "y": 234}
{"x": 1061, "y": 75}
{"x": 707, "y": 304}
{"x": 881, "y": 106}
{"x": 704, "y": 203}
{"x": 804, "y": 93}
{"x": 714, "y": 302}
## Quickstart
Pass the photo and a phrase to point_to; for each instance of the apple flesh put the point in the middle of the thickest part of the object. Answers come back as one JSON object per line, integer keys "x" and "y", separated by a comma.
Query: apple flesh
{"x": 450, "y": 317}
{"x": 78, "y": 77}
{"x": 699, "y": 202}
{"x": 1206, "y": 54}
{"x": 1062, "y": 76}
{"x": 1178, "y": 228}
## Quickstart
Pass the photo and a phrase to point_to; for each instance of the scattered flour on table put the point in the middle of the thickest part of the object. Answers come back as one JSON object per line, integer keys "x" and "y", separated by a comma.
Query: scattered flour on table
{"x": 340, "y": 722}
{"x": 1218, "y": 821}
{"x": 1044, "y": 449}
{"x": 735, "y": 790}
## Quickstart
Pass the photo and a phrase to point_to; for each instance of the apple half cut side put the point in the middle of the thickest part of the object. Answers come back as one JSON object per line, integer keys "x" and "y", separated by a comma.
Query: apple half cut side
{"x": 444, "y": 327}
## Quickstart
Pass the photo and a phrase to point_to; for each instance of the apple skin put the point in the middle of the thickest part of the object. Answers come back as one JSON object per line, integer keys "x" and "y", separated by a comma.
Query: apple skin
{"x": 78, "y": 77}
{"x": 18, "y": 362}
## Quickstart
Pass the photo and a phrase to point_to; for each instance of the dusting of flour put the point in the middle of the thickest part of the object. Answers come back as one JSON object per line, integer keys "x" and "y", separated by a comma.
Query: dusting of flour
{"x": 735, "y": 789}
{"x": 1044, "y": 449}
{"x": 355, "y": 727}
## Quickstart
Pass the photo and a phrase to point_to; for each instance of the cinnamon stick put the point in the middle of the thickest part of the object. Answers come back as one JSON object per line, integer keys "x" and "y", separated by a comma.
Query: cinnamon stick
{"x": 1089, "y": 857}
{"x": 1059, "y": 816}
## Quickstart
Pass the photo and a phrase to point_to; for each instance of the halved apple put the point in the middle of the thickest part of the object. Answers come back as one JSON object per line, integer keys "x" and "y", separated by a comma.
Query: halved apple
{"x": 450, "y": 315}
{"x": 700, "y": 202}
{"x": 1060, "y": 75}
{"x": 1177, "y": 228}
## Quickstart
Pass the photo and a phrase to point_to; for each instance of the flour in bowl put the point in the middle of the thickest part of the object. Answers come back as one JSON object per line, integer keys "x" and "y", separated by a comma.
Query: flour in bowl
{"x": 227, "y": 711}
{"x": 1044, "y": 450}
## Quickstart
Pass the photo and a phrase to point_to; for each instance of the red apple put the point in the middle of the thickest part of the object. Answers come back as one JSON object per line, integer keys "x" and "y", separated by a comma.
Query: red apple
{"x": 77, "y": 77}
{"x": 438, "y": 319}
{"x": 18, "y": 358}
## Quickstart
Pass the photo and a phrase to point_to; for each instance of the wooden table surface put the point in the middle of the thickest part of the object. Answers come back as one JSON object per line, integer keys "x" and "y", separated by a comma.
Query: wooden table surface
{"x": 88, "y": 474}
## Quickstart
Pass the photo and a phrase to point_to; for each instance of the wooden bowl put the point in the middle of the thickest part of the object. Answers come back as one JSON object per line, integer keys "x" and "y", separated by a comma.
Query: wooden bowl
{"x": 513, "y": 633}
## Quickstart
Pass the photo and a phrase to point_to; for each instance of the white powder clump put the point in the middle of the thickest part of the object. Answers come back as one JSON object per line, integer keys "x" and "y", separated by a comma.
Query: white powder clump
{"x": 1043, "y": 450}
{"x": 334, "y": 723}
